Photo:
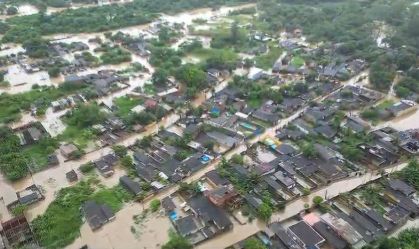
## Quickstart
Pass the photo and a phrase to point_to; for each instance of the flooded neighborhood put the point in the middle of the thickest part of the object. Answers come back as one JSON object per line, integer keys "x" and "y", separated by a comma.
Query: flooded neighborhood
{"x": 215, "y": 124}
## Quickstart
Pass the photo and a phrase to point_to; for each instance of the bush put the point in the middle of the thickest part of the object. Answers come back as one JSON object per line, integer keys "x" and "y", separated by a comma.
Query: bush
{"x": 127, "y": 162}
{"x": 54, "y": 72}
{"x": 18, "y": 210}
{"x": 155, "y": 205}
{"x": 317, "y": 200}
{"x": 87, "y": 167}
{"x": 370, "y": 114}
{"x": 265, "y": 211}
{"x": 237, "y": 159}
{"x": 177, "y": 242}
{"x": 12, "y": 10}
{"x": 85, "y": 115}
{"x": 120, "y": 150}
{"x": 306, "y": 191}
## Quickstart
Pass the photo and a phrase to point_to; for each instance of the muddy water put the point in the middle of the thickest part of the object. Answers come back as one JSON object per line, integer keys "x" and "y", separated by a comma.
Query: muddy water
{"x": 240, "y": 232}
{"x": 20, "y": 81}
{"x": 9, "y": 49}
{"x": 409, "y": 225}
{"x": 405, "y": 122}
{"x": 147, "y": 234}
{"x": 54, "y": 178}
{"x": 204, "y": 13}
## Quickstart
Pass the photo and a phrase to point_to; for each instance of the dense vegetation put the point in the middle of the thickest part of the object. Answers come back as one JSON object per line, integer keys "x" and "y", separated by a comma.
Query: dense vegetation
{"x": 61, "y": 222}
{"x": 17, "y": 161}
{"x": 176, "y": 241}
{"x": 407, "y": 239}
{"x": 411, "y": 174}
{"x": 353, "y": 26}
{"x": 13, "y": 104}
{"x": 97, "y": 19}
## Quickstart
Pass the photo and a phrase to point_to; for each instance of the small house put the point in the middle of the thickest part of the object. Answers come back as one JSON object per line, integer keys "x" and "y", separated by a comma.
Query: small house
{"x": 68, "y": 150}
{"x": 71, "y": 176}
{"x": 96, "y": 214}
{"x": 130, "y": 185}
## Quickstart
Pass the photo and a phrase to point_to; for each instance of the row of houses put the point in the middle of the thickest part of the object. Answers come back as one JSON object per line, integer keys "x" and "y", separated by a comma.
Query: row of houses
{"x": 346, "y": 225}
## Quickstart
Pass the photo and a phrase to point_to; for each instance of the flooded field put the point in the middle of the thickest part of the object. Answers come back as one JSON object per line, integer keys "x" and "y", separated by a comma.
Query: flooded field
{"x": 20, "y": 81}
{"x": 131, "y": 233}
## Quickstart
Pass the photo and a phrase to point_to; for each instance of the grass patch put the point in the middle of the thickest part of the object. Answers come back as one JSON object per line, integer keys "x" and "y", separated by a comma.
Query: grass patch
{"x": 125, "y": 104}
{"x": 266, "y": 61}
{"x": 204, "y": 53}
{"x": 13, "y": 104}
{"x": 60, "y": 224}
{"x": 255, "y": 102}
{"x": 385, "y": 104}
{"x": 297, "y": 61}
{"x": 81, "y": 138}
{"x": 149, "y": 89}
{"x": 38, "y": 153}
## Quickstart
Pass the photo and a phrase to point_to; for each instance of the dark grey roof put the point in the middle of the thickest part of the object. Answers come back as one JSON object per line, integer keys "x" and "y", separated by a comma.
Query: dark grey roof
{"x": 97, "y": 215}
{"x": 214, "y": 177}
{"x": 186, "y": 225}
{"x": 306, "y": 234}
{"x": 130, "y": 185}
{"x": 209, "y": 212}
{"x": 284, "y": 179}
{"x": 283, "y": 236}
{"x": 368, "y": 231}
{"x": 193, "y": 163}
{"x": 378, "y": 219}
{"x": 28, "y": 199}
{"x": 270, "y": 180}
{"x": 397, "y": 214}
{"x": 331, "y": 237}
{"x": 401, "y": 186}
{"x": 266, "y": 116}
{"x": 398, "y": 107}
{"x": 254, "y": 201}
{"x": 405, "y": 202}
{"x": 145, "y": 172}
{"x": 286, "y": 149}
{"x": 168, "y": 204}
{"x": 240, "y": 170}
{"x": 71, "y": 175}
{"x": 141, "y": 157}
{"x": 326, "y": 130}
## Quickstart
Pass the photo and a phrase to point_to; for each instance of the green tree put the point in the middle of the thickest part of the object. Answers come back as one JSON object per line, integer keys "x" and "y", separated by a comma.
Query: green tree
{"x": 84, "y": 116}
{"x": 54, "y": 72}
{"x": 253, "y": 243}
{"x": 265, "y": 211}
{"x": 176, "y": 241}
{"x": 237, "y": 159}
{"x": 12, "y": 10}
{"x": 317, "y": 200}
{"x": 160, "y": 77}
{"x": 120, "y": 150}
{"x": 234, "y": 32}
{"x": 309, "y": 150}
{"x": 127, "y": 162}
{"x": 193, "y": 77}
{"x": 155, "y": 205}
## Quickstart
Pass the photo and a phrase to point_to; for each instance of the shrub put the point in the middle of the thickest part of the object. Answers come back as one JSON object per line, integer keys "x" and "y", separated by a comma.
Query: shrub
{"x": 155, "y": 205}
{"x": 87, "y": 167}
